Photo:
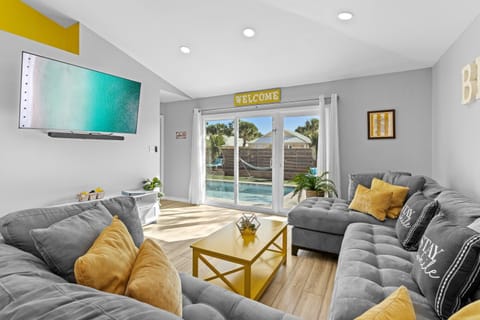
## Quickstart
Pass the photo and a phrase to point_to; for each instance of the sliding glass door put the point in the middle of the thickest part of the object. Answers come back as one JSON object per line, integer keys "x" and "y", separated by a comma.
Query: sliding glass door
{"x": 255, "y": 139}
{"x": 219, "y": 146}
{"x": 300, "y": 141}
{"x": 251, "y": 159}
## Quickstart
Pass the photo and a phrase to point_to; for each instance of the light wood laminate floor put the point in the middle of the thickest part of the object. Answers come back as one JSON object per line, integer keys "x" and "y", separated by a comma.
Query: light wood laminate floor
{"x": 303, "y": 287}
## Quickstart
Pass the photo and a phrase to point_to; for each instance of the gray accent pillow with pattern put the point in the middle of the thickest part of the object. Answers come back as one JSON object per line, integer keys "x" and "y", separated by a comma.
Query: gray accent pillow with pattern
{"x": 414, "y": 219}
{"x": 447, "y": 264}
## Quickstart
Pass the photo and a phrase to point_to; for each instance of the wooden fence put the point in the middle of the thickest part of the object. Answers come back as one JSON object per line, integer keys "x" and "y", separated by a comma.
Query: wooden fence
{"x": 295, "y": 161}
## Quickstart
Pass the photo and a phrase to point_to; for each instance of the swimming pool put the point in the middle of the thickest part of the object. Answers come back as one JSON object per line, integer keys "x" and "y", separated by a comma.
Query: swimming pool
{"x": 253, "y": 193}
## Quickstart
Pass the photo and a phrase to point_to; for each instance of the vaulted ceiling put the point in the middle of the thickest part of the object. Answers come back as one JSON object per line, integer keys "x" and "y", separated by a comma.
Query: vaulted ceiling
{"x": 296, "y": 42}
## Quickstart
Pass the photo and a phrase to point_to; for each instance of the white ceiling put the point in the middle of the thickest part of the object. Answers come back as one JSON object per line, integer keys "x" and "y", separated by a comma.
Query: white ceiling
{"x": 297, "y": 42}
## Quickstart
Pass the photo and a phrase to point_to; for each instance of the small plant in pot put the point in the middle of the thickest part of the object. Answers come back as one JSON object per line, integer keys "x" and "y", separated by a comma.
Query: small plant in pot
{"x": 314, "y": 185}
{"x": 153, "y": 184}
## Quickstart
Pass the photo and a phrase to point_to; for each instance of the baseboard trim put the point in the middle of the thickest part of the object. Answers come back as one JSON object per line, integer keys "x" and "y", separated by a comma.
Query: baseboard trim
{"x": 179, "y": 199}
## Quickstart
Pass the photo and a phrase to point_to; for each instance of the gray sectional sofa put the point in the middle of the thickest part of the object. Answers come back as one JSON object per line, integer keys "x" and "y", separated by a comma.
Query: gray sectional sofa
{"x": 30, "y": 290}
{"x": 372, "y": 262}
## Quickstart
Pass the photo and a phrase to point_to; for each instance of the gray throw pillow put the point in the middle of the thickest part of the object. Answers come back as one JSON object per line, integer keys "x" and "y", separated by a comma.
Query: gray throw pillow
{"x": 365, "y": 179}
{"x": 414, "y": 183}
{"x": 414, "y": 218}
{"x": 447, "y": 264}
{"x": 63, "y": 242}
{"x": 15, "y": 227}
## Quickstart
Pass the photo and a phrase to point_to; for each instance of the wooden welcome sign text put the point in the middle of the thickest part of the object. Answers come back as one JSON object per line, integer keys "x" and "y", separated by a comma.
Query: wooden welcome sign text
{"x": 257, "y": 97}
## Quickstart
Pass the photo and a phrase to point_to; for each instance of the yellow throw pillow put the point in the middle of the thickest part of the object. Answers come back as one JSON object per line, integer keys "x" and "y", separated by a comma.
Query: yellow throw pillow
{"x": 107, "y": 264}
{"x": 398, "y": 198}
{"x": 154, "y": 279}
{"x": 373, "y": 202}
{"x": 397, "y": 306}
{"x": 469, "y": 312}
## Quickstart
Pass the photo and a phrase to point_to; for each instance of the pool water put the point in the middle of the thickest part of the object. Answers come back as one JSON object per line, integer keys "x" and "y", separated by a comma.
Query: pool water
{"x": 254, "y": 193}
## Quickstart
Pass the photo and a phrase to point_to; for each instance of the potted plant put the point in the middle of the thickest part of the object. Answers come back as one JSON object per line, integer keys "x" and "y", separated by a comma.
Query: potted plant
{"x": 314, "y": 185}
{"x": 153, "y": 184}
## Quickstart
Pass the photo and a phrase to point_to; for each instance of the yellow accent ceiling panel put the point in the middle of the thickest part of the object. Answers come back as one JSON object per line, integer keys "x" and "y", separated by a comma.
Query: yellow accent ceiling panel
{"x": 20, "y": 19}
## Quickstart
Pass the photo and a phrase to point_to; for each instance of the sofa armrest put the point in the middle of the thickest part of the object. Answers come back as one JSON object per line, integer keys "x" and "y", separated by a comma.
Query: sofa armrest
{"x": 202, "y": 301}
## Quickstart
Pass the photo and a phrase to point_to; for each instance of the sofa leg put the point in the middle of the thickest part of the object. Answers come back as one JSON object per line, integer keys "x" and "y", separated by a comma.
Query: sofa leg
{"x": 294, "y": 250}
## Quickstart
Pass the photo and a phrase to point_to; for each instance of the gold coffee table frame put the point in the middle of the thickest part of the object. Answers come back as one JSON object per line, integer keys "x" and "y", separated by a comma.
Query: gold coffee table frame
{"x": 259, "y": 257}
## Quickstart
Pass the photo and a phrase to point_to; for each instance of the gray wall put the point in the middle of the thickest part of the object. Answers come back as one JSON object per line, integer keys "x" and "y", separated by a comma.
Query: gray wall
{"x": 456, "y": 127}
{"x": 407, "y": 92}
{"x": 36, "y": 170}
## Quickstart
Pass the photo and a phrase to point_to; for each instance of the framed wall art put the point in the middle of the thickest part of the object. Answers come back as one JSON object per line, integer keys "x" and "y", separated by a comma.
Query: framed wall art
{"x": 181, "y": 135}
{"x": 381, "y": 124}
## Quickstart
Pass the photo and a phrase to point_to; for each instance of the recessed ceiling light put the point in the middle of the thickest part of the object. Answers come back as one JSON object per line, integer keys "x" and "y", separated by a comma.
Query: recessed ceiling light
{"x": 185, "y": 49}
{"x": 345, "y": 16}
{"x": 249, "y": 32}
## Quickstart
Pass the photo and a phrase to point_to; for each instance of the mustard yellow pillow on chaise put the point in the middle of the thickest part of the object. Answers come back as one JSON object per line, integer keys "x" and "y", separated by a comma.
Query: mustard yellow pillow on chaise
{"x": 398, "y": 198}
{"x": 372, "y": 202}
{"x": 107, "y": 264}
{"x": 397, "y": 306}
{"x": 154, "y": 280}
{"x": 469, "y": 312}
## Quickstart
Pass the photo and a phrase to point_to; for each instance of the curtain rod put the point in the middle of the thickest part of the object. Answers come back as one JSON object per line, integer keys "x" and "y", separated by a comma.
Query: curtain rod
{"x": 268, "y": 106}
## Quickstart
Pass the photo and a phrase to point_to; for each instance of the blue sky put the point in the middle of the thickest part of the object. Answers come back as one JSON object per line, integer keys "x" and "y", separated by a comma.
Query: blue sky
{"x": 264, "y": 124}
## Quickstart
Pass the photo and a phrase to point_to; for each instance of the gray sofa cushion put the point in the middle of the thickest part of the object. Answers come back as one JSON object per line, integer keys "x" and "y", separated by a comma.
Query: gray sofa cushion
{"x": 15, "y": 227}
{"x": 414, "y": 218}
{"x": 330, "y": 215}
{"x": 432, "y": 189}
{"x": 371, "y": 265}
{"x": 413, "y": 183}
{"x": 63, "y": 242}
{"x": 36, "y": 298}
{"x": 458, "y": 208}
{"x": 203, "y": 301}
{"x": 365, "y": 179}
{"x": 447, "y": 265}
{"x": 14, "y": 261}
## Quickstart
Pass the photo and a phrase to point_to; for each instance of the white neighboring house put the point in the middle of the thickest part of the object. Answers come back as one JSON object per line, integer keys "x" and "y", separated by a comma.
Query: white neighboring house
{"x": 229, "y": 141}
{"x": 291, "y": 140}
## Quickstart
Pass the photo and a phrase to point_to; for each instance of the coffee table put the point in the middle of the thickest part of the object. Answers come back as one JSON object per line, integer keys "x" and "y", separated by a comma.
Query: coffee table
{"x": 259, "y": 256}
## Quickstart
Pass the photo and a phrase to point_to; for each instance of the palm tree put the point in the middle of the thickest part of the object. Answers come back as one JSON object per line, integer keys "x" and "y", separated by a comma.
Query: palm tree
{"x": 220, "y": 128}
{"x": 248, "y": 131}
{"x": 215, "y": 143}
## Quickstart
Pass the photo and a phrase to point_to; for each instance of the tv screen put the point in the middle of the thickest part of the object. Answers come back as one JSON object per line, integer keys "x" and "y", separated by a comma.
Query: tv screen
{"x": 61, "y": 96}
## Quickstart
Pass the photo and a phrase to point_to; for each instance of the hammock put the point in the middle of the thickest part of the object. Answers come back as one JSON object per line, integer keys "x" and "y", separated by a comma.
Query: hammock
{"x": 251, "y": 166}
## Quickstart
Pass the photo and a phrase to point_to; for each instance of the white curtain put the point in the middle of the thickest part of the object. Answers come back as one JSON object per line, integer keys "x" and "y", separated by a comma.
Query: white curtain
{"x": 328, "y": 142}
{"x": 196, "y": 194}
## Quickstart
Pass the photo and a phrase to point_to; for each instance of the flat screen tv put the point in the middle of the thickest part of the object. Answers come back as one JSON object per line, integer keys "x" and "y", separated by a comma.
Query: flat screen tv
{"x": 61, "y": 96}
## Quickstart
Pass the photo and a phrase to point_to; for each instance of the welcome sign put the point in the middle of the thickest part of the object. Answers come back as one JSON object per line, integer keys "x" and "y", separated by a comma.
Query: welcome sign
{"x": 257, "y": 97}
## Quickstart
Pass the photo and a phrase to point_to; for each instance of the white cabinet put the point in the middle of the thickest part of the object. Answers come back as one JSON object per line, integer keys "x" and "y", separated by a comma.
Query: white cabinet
{"x": 148, "y": 207}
